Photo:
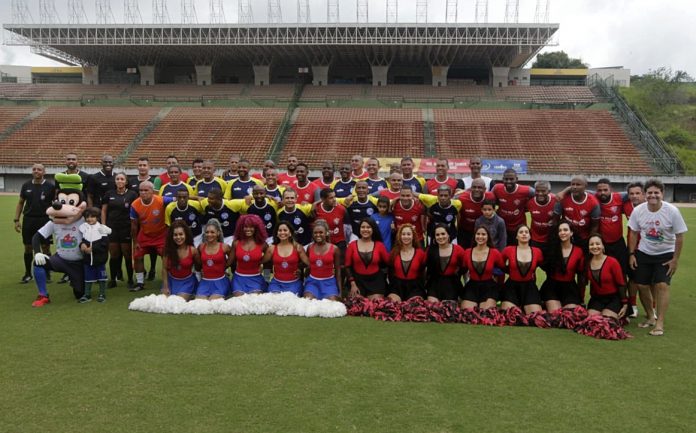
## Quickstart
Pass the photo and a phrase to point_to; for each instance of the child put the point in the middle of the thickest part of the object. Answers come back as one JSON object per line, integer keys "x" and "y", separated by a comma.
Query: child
{"x": 95, "y": 246}
{"x": 385, "y": 221}
{"x": 494, "y": 224}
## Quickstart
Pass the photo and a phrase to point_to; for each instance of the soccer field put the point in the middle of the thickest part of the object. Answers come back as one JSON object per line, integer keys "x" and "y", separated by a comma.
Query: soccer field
{"x": 101, "y": 368}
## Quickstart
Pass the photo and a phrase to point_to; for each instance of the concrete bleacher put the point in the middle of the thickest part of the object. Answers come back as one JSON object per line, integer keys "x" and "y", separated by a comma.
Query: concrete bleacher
{"x": 335, "y": 134}
{"x": 90, "y": 132}
{"x": 11, "y": 115}
{"x": 215, "y": 133}
{"x": 63, "y": 92}
{"x": 545, "y": 94}
{"x": 552, "y": 141}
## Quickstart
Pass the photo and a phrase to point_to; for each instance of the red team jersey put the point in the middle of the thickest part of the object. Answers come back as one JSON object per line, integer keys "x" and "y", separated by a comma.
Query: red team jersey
{"x": 285, "y": 179}
{"x": 411, "y": 215}
{"x": 305, "y": 194}
{"x": 580, "y": 214}
{"x": 433, "y": 184}
{"x": 391, "y": 195}
{"x": 512, "y": 205}
{"x": 542, "y": 218}
{"x": 611, "y": 217}
{"x": 334, "y": 218}
{"x": 471, "y": 210}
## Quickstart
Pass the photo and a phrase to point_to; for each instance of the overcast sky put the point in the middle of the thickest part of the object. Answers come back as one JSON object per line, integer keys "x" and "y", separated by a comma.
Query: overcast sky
{"x": 637, "y": 34}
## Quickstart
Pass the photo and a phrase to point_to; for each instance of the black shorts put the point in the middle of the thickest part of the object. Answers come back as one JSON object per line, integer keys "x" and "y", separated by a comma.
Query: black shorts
{"x": 406, "y": 289}
{"x": 605, "y": 302}
{"x": 565, "y": 292}
{"x": 521, "y": 293}
{"x": 369, "y": 285}
{"x": 651, "y": 269}
{"x": 480, "y": 291}
{"x": 120, "y": 234}
{"x": 619, "y": 251}
{"x": 31, "y": 225}
{"x": 445, "y": 288}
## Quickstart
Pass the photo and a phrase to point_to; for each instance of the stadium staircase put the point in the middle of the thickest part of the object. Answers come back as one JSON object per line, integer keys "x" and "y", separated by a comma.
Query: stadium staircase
{"x": 659, "y": 154}
{"x": 138, "y": 139}
{"x": 19, "y": 125}
{"x": 281, "y": 137}
{"x": 429, "y": 141}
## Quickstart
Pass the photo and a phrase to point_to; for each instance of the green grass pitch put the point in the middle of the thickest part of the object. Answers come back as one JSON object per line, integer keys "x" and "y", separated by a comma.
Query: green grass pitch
{"x": 101, "y": 368}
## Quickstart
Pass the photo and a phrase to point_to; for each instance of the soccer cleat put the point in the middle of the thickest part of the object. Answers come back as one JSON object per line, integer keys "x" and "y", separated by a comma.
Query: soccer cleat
{"x": 634, "y": 312}
{"x": 41, "y": 301}
{"x": 25, "y": 279}
{"x": 101, "y": 298}
{"x": 151, "y": 275}
{"x": 85, "y": 299}
{"x": 138, "y": 287}
{"x": 112, "y": 284}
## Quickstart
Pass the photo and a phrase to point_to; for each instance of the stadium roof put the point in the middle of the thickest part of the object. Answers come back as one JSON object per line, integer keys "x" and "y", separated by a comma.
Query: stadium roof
{"x": 464, "y": 45}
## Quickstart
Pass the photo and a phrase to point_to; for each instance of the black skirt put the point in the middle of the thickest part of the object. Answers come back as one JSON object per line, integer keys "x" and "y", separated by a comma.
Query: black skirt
{"x": 406, "y": 289}
{"x": 521, "y": 293}
{"x": 480, "y": 291}
{"x": 369, "y": 285}
{"x": 445, "y": 287}
{"x": 566, "y": 292}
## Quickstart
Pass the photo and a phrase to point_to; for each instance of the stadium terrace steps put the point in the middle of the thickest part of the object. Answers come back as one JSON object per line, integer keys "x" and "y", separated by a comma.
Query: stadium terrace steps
{"x": 12, "y": 118}
{"x": 142, "y": 135}
{"x": 90, "y": 132}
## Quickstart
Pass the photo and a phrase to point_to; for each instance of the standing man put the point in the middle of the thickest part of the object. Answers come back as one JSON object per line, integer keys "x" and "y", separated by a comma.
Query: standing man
{"x": 142, "y": 176}
{"x": 512, "y": 203}
{"x": 441, "y": 178}
{"x": 356, "y": 165}
{"x": 374, "y": 182}
{"x": 541, "y": 209}
{"x": 188, "y": 211}
{"x": 343, "y": 186}
{"x": 581, "y": 210}
{"x": 363, "y": 206}
{"x": 407, "y": 210}
{"x": 396, "y": 181}
{"x": 326, "y": 180}
{"x": 232, "y": 171}
{"x": 475, "y": 166}
{"x": 175, "y": 183}
{"x": 73, "y": 168}
{"x": 148, "y": 229}
{"x": 289, "y": 178}
{"x": 164, "y": 179}
{"x": 208, "y": 180}
{"x": 273, "y": 191}
{"x": 305, "y": 189}
{"x": 636, "y": 196}
{"x": 334, "y": 214}
{"x": 297, "y": 215}
{"x": 242, "y": 185}
{"x": 655, "y": 258}
{"x": 413, "y": 181}
{"x": 441, "y": 209}
{"x": 265, "y": 208}
{"x": 101, "y": 182}
{"x": 472, "y": 201}
{"x": 35, "y": 197}
{"x": 611, "y": 210}
{"x": 197, "y": 170}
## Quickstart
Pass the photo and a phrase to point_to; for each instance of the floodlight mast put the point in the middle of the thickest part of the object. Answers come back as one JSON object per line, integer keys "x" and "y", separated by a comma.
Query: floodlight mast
{"x": 275, "y": 15}
{"x": 160, "y": 14}
{"x": 104, "y": 13}
{"x": 332, "y": 11}
{"x": 541, "y": 13}
{"x": 188, "y": 12}
{"x": 217, "y": 13}
{"x": 452, "y": 11}
{"x": 245, "y": 14}
{"x": 131, "y": 12}
{"x": 512, "y": 11}
{"x": 481, "y": 11}
{"x": 392, "y": 11}
{"x": 303, "y": 15}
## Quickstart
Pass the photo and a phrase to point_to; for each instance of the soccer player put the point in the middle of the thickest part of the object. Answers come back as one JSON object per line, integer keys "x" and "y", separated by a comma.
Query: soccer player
{"x": 472, "y": 201}
{"x": 411, "y": 180}
{"x": 326, "y": 180}
{"x": 365, "y": 258}
{"x": 298, "y": 215}
{"x": 148, "y": 229}
{"x": 475, "y": 166}
{"x": 393, "y": 192}
{"x": 35, "y": 197}
{"x": 175, "y": 183}
{"x": 636, "y": 196}
{"x": 441, "y": 209}
{"x": 272, "y": 189}
{"x": 512, "y": 202}
{"x": 656, "y": 256}
{"x": 541, "y": 210}
{"x": 242, "y": 186}
{"x": 356, "y": 165}
{"x": 334, "y": 214}
{"x": 267, "y": 164}
{"x": 611, "y": 206}
{"x": 142, "y": 176}
{"x": 164, "y": 179}
{"x": 375, "y": 183}
{"x": 289, "y": 178}
{"x": 581, "y": 210}
{"x": 362, "y": 207}
{"x": 409, "y": 210}
{"x": 115, "y": 214}
{"x": 100, "y": 182}
{"x": 343, "y": 187}
{"x": 208, "y": 180}
{"x": 441, "y": 178}
{"x": 197, "y": 170}
{"x": 186, "y": 210}
{"x": 232, "y": 168}
{"x": 264, "y": 208}
{"x": 304, "y": 188}
{"x": 226, "y": 212}
{"x": 521, "y": 260}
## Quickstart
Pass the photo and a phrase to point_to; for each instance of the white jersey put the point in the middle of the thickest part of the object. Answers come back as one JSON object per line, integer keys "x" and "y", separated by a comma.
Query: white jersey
{"x": 658, "y": 230}
{"x": 467, "y": 182}
{"x": 66, "y": 237}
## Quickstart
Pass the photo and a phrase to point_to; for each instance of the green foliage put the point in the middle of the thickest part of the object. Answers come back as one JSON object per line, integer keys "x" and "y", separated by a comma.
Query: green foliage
{"x": 101, "y": 368}
{"x": 557, "y": 60}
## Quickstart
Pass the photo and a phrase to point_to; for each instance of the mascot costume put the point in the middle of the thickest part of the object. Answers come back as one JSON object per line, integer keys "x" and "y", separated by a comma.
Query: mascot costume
{"x": 66, "y": 218}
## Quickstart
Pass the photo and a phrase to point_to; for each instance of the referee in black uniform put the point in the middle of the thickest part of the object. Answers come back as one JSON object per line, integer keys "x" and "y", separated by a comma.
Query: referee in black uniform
{"x": 101, "y": 182}
{"x": 35, "y": 197}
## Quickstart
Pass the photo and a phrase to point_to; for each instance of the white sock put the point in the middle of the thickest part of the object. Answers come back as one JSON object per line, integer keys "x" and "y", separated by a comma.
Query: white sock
{"x": 140, "y": 277}
{"x": 198, "y": 275}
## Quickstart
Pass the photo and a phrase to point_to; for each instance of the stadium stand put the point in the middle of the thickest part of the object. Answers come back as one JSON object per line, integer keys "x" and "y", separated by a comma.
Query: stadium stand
{"x": 336, "y": 134}
{"x": 545, "y": 94}
{"x": 11, "y": 115}
{"x": 191, "y": 132}
{"x": 90, "y": 132}
{"x": 552, "y": 141}
{"x": 411, "y": 91}
{"x": 13, "y": 91}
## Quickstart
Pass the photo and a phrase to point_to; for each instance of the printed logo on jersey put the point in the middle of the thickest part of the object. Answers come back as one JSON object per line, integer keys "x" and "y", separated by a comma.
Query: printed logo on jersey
{"x": 224, "y": 215}
{"x": 267, "y": 217}
{"x": 155, "y": 212}
{"x": 68, "y": 241}
{"x": 284, "y": 265}
{"x": 297, "y": 221}
{"x": 319, "y": 262}
{"x": 192, "y": 217}
{"x": 370, "y": 211}
{"x": 209, "y": 262}
{"x": 246, "y": 257}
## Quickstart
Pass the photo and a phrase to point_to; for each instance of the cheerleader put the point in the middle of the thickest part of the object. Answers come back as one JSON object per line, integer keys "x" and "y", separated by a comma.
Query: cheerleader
{"x": 481, "y": 290}
{"x": 444, "y": 263}
{"x": 607, "y": 282}
{"x": 364, "y": 259}
{"x": 180, "y": 256}
{"x": 520, "y": 289}
{"x": 286, "y": 255}
{"x": 324, "y": 280}
{"x": 407, "y": 263}
{"x": 565, "y": 262}
{"x": 215, "y": 258}
{"x": 248, "y": 250}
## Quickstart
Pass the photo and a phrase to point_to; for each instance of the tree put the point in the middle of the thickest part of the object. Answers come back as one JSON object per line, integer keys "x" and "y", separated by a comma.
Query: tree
{"x": 557, "y": 60}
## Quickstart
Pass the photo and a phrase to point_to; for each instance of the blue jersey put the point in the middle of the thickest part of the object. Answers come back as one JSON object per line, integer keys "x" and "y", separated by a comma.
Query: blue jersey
{"x": 415, "y": 183}
{"x": 300, "y": 222}
{"x": 376, "y": 185}
{"x": 274, "y": 194}
{"x": 241, "y": 188}
{"x": 203, "y": 188}
{"x": 268, "y": 215}
{"x": 357, "y": 211}
{"x": 384, "y": 223}
{"x": 343, "y": 189}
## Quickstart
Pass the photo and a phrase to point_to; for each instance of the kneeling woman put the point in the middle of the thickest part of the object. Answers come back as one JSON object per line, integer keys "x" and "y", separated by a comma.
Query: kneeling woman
{"x": 286, "y": 256}
{"x": 180, "y": 256}
{"x": 481, "y": 290}
{"x": 565, "y": 261}
{"x": 607, "y": 282}
{"x": 521, "y": 261}
{"x": 215, "y": 258}
{"x": 365, "y": 258}
{"x": 248, "y": 250}
{"x": 324, "y": 280}
{"x": 444, "y": 262}
{"x": 406, "y": 266}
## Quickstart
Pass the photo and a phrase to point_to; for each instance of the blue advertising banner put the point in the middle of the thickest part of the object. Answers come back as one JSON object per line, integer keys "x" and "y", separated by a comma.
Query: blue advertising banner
{"x": 498, "y": 166}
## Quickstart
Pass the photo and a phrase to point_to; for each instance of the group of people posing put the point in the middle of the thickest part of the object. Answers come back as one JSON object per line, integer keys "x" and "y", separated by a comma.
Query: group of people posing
{"x": 362, "y": 235}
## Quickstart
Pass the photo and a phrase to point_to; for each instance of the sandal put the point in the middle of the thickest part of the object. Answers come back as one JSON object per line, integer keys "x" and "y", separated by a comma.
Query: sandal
{"x": 646, "y": 324}
{"x": 657, "y": 333}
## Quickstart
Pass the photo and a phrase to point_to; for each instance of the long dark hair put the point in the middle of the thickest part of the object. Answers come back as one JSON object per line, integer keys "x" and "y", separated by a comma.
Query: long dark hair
{"x": 376, "y": 235}
{"x": 276, "y": 241}
{"x": 171, "y": 253}
{"x": 555, "y": 262}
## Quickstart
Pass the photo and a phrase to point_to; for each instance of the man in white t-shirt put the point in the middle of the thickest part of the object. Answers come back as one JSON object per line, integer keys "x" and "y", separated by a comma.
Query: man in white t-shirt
{"x": 655, "y": 257}
{"x": 475, "y": 166}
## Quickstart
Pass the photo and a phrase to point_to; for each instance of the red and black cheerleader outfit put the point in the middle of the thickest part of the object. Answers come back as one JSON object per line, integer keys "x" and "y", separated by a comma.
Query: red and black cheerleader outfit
{"x": 365, "y": 268}
{"x": 560, "y": 284}
{"x": 520, "y": 288}
{"x": 605, "y": 283}
{"x": 443, "y": 273}
{"x": 406, "y": 276}
{"x": 482, "y": 285}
